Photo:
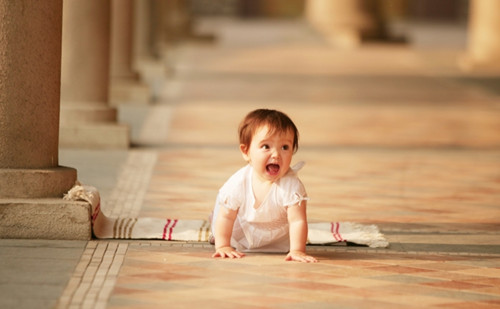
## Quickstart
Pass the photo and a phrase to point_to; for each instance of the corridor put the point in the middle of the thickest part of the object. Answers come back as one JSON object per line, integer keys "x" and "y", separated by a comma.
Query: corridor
{"x": 391, "y": 135}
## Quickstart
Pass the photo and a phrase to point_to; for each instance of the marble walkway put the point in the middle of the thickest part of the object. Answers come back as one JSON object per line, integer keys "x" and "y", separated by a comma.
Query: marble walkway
{"x": 391, "y": 135}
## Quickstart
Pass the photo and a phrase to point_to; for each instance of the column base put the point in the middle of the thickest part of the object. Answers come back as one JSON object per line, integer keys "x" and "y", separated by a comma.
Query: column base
{"x": 88, "y": 113}
{"x": 45, "y": 219}
{"x": 95, "y": 135}
{"x": 129, "y": 91}
{"x": 36, "y": 183}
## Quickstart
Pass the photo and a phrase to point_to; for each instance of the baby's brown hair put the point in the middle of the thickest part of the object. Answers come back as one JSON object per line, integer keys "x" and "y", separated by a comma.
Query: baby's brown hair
{"x": 275, "y": 120}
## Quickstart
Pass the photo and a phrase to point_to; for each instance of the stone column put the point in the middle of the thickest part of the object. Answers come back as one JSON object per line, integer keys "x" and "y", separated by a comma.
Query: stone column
{"x": 87, "y": 120}
{"x": 32, "y": 183}
{"x": 125, "y": 83}
{"x": 146, "y": 58}
{"x": 344, "y": 23}
{"x": 142, "y": 31}
{"x": 171, "y": 23}
{"x": 484, "y": 35}
{"x": 157, "y": 28}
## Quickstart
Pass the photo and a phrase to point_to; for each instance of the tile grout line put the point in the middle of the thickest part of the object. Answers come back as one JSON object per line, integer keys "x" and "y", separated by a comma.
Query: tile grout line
{"x": 99, "y": 276}
{"x": 95, "y": 275}
{"x": 128, "y": 194}
{"x": 333, "y": 249}
{"x": 76, "y": 280}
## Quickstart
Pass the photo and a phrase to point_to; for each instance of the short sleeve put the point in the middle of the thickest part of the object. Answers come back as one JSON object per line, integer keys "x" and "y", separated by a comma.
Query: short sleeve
{"x": 229, "y": 200}
{"x": 291, "y": 190}
{"x": 232, "y": 193}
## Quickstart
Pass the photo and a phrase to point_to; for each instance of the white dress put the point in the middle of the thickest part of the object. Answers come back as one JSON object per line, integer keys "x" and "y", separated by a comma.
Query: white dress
{"x": 264, "y": 229}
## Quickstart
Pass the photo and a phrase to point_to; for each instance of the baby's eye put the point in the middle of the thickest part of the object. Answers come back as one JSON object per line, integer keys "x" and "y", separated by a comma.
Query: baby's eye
{"x": 285, "y": 147}
{"x": 265, "y": 146}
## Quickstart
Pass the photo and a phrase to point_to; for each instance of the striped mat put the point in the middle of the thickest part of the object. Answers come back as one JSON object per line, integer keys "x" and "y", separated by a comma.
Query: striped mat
{"x": 105, "y": 227}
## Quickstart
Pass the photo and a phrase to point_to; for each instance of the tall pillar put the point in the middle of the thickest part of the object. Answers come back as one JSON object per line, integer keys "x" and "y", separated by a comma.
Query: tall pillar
{"x": 32, "y": 183}
{"x": 178, "y": 21}
{"x": 171, "y": 23}
{"x": 142, "y": 32}
{"x": 87, "y": 120}
{"x": 125, "y": 83}
{"x": 484, "y": 35}
{"x": 157, "y": 29}
{"x": 344, "y": 23}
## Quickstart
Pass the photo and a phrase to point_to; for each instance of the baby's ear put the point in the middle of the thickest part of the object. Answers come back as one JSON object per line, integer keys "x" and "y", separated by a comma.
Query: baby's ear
{"x": 244, "y": 152}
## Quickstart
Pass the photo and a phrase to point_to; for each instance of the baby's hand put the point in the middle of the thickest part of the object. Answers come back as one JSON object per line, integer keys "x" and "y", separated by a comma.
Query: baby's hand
{"x": 300, "y": 256}
{"x": 227, "y": 252}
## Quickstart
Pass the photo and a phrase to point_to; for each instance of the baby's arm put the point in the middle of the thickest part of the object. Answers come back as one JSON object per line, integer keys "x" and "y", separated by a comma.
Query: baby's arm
{"x": 297, "y": 219}
{"x": 223, "y": 231}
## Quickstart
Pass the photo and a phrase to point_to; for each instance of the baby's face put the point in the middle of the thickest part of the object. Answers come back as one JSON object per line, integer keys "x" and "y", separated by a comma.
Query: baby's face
{"x": 269, "y": 155}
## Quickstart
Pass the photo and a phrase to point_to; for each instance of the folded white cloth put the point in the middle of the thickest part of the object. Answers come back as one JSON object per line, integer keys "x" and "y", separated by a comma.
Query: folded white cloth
{"x": 104, "y": 227}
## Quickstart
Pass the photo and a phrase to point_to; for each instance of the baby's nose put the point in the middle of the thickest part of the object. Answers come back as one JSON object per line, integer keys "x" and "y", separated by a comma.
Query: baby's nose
{"x": 275, "y": 153}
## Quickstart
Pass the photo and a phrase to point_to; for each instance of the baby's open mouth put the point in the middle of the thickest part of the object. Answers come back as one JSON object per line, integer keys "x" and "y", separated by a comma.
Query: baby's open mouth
{"x": 273, "y": 169}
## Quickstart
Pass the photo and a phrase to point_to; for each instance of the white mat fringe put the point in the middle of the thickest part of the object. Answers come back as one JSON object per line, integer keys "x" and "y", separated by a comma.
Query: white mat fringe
{"x": 199, "y": 230}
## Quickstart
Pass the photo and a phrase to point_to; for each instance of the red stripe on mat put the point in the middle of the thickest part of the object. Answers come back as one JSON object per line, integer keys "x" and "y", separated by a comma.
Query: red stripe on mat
{"x": 96, "y": 212}
{"x": 165, "y": 228}
{"x": 335, "y": 231}
{"x": 171, "y": 229}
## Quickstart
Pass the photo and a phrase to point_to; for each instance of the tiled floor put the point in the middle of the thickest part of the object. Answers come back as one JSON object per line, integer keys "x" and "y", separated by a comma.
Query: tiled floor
{"x": 390, "y": 137}
{"x": 185, "y": 277}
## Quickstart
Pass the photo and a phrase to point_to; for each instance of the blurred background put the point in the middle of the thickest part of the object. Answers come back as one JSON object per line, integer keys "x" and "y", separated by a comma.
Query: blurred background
{"x": 408, "y": 70}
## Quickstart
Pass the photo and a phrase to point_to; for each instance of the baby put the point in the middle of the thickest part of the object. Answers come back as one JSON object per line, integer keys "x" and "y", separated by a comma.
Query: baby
{"x": 262, "y": 207}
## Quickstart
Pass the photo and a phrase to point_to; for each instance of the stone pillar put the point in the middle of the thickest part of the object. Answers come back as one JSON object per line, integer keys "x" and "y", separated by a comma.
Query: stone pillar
{"x": 158, "y": 30}
{"x": 344, "y": 23}
{"x": 87, "y": 120}
{"x": 32, "y": 183}
{"x": 142, "y": 32}
{"x": 146, "y": 60}
{"x": 178, "y": 21}
{"x": 484, "y": 35}
{"x": 171, "y": 23}
{"x": 125, "y": 84}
